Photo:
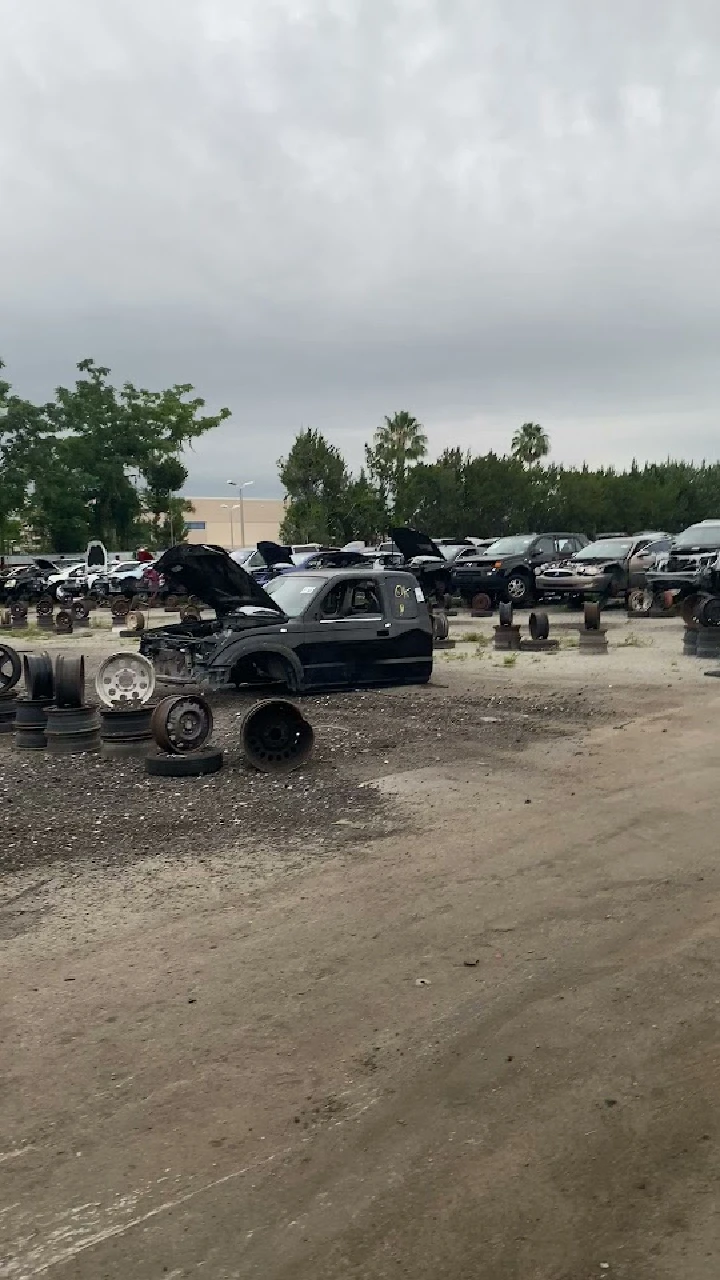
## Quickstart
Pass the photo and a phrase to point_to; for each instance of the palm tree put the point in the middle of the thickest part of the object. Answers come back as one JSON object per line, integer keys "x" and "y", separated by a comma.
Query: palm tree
{"x": 397, "y": 446}
{"x": 530, "y": 444}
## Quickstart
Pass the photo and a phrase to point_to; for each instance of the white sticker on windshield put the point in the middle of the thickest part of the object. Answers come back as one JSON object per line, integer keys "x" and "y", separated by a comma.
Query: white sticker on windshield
{"x": 306, "y": 591}
{"x": 418, "y": 593}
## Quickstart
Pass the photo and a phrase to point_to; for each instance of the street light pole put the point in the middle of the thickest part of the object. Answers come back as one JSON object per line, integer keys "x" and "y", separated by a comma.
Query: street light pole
{"x": 231, "y": 507}
{"x": 240, "y": 485}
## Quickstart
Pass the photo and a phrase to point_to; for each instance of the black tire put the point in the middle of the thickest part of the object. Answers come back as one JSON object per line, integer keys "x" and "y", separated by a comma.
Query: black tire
{"x": 79, "y": 611}
{"x": 575, "y": 600}
{"x": 440, "y": 625}
{"x": 11, "y": 668}
{"x": 70, "y": 680}
{"x": 505, "y": 613}
{"x": 38, "y": 676}
{"x": 44, "y": 607}
{"x": 480, "y": 601}
{"x": 591, "y": 615}
{"x": 63, "y": 622}
{"x": 708, "y": 612}
{"x": 161, "y": 764}
{"x": 518, "y": 588}
{"x": 19, "y": 609}
{"x": 539, "y": 625}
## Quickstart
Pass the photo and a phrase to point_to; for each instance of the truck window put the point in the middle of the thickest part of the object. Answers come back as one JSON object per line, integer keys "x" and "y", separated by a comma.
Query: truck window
{"x": 403, "y": 601}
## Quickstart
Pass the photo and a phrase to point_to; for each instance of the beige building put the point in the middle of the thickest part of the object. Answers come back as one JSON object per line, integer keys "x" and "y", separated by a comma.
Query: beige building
{"x": 228, "y": 523}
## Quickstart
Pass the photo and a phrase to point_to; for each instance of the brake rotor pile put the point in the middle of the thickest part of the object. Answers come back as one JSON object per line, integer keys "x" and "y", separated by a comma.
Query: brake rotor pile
{"x": 125, "y": 679}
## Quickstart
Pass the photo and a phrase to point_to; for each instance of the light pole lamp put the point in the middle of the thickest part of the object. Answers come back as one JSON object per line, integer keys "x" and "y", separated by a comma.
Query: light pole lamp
{"x": 231, "y": 507}
{"x": 240, "y": 485}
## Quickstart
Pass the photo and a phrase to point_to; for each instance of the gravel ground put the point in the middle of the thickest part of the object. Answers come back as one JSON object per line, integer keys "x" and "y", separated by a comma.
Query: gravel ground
{"x": 108, "y": 811}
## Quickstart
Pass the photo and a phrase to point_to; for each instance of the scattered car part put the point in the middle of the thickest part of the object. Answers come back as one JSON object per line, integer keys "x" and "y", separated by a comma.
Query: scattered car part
{"x": 195, "y": 764}
{"x": 63, "y": 622}
{"x": 44, "y": 607}
{"x": 70, "y": 680}
{"x": 593, "y": 641}
{"x": 135, "y": 621}
{"x": 80, "y": 613}
{"x": 125, "y": 678}
{"x": 18, "y": 609}
{"x": 481, "y": 603}
{"x": 276, "y": 737}
{"x": 30, "y": 724}
{"x": 440, "y": 625}
{"x": 591, "y": 615}
{"x": 507, "y": 638}
{"x": 688, "y": 610}
{"x": 119, "y": 606}
{"x": 528, "y": 645}
{"x": 125, "y": 731}
{"x": 11, "y": 668}
{"x": 539, "y": 624}
{"x": 707, "y": 611}
{"x": 72, "y": 730}
{"x": 8, "y": 707}
{"x": 639, "y": 600}
{"x": 690, "y": 641}
{"x": 182, "y": 722}
{"x": 190, "y": 613}
{"x": 38, "y": 676}
{"x": 505, "y": 613}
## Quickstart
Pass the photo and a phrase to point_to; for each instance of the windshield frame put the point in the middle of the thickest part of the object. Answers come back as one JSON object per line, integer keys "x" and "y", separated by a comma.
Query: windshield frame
{"x": 522, "y": 543}
{"x": 617, "y": 549}
{"x": 295, "y": 586}
{"x": 710, "y": 543}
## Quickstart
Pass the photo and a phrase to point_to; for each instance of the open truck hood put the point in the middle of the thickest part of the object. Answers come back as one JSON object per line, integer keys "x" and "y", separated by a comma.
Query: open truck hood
{"x": 413, "y": 544}
{"x": 209, "y": 573}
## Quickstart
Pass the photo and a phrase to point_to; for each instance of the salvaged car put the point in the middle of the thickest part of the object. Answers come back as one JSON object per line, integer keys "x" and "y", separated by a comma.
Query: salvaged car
{"x": 611, "y": 568}
{"x": 693, "y": 562}
{"x": 508, "y": 568}
{"x": 323, "y": 628}
{"x": 424, "y": 559}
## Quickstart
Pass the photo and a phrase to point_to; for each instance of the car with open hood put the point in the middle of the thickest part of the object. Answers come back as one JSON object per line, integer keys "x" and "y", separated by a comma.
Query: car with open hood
{"x": 607, "y": 569}
{"x": 321, "y": 628}
{"x": 424, "y": 559}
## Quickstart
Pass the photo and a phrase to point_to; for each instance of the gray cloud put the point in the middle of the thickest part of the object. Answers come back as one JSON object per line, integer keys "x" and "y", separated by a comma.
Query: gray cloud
{"x": 319, "y": 211}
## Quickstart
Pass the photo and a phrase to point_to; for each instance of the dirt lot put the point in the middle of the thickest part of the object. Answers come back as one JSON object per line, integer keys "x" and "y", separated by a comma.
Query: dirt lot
{"x": 444, "y": 1005}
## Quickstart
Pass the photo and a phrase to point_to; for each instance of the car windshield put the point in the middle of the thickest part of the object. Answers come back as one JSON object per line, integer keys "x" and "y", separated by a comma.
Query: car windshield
{"x": 705, "y": 536}
{"x": 453, "y": 549}
{"x": 608, "y": 549}
{"x": 510, "y": 546}
{"x": 293, "y": 592}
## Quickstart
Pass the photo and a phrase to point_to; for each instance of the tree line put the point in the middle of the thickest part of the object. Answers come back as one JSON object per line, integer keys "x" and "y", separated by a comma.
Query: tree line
{"x": 96, "y": 462}
{"x": 483, "y": 495}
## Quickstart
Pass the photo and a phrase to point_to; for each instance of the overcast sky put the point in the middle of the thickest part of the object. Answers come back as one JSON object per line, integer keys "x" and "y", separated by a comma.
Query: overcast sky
{"x": 321, "y": 211}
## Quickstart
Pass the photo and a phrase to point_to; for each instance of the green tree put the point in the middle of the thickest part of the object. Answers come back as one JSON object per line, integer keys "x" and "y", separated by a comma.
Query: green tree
{"x": 397, "y": 446}
{"x": 530, "y": 444}
{"x": 317, "y": 483}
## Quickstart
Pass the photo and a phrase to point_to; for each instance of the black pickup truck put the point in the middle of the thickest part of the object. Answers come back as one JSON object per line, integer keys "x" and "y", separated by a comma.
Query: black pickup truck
{"x": 327, "y": 628}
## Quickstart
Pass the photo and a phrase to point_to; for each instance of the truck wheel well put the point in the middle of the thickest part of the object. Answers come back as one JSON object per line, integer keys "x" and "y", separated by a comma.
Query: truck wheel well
{"x": 262, "y": 668}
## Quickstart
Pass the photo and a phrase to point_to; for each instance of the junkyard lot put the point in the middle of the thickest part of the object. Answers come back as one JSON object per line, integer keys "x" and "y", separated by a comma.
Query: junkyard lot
{"x": 241, "y": 1056}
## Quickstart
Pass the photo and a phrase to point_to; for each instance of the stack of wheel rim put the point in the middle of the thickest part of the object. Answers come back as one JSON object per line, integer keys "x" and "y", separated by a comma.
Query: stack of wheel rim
{"x": 31, "y": 712}
{"x": 44, "y": 612}
{"x": 125, "y": 684}
{"x": 119, "y": 609}
{"x": 19, "y": 615}
{"x": 80, "y": 613}
{"x": 507, "y": 633}
{"x": 182, "y": 726}
{"x": 72, "y": 724}
{"x": 10, "y": 673}
{"x": 592, "y": 637}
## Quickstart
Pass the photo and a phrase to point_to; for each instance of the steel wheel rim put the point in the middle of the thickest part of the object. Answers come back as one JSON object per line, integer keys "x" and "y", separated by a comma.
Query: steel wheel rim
{"x": 182, "y": 723}
{"x": 10, "y": 668}
{"x": 125, "y": 678}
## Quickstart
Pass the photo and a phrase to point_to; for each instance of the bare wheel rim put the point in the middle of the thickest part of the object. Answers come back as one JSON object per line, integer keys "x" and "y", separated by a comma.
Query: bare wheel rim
{"x": 125, "y": 678}
{"x": 182, "y": 723}
{"x": 10, "y": 668}
{"x": 70, "y": 680}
